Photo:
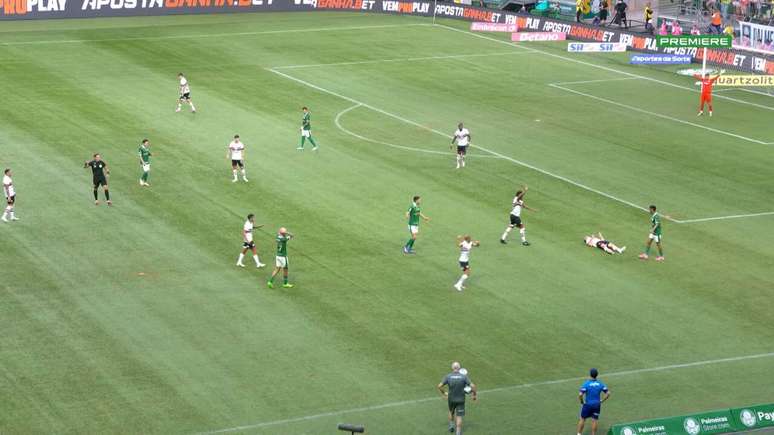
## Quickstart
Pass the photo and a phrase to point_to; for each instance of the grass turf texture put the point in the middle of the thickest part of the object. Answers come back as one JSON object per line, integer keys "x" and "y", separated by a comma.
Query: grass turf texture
{"x": 195, "y": 344}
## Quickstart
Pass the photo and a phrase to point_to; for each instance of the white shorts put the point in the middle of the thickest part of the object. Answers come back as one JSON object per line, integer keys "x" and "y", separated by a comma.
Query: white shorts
{"x": 306, "y": 133}
{"x": 414, "y": 229}
{"x": 146, "y": 167}
{"x": 655, "y": 238}
{"x": 281, "y": 262}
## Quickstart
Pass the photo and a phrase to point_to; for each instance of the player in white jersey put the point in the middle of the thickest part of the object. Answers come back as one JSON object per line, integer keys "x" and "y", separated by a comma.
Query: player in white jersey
{"x": 248, "y": 243}
{"x": 598, "y": 241}
{"x": 515, "y": 218}
{"x": 462, "y": 138}
{"x": 185, "y": 94}
{"x": 10, "y": 197}
{"x": 466, "y": 245}
{"x": 236, "y": 152}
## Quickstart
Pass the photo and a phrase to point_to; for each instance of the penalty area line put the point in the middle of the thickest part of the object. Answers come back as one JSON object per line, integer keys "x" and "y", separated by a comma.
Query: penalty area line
{"x": 602, "y": 67}
{"x": 620, "y": 373}
{"x": 404, "y": 59}
{"x": 657, "y": 115}
{"x": 733, "y": 216}
{"x": 494, "y": 153}
{"x": 580, "y": 82}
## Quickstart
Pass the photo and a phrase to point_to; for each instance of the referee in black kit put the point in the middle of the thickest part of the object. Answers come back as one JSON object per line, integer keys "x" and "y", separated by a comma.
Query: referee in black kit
{"x": 100, "y": 171}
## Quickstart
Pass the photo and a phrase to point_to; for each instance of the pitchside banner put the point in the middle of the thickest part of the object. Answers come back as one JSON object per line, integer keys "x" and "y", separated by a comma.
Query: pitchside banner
{"x": 706, "y": 423}
{"x": 537, "y": 36}
{"x": 754, "y": 417}
{"x": 595, "y": 47}
{"x": 493, "y": 27}
{"x": 659, "y": 59}
{"x": 694, "y": 41}
{"x": 40, "y": 9}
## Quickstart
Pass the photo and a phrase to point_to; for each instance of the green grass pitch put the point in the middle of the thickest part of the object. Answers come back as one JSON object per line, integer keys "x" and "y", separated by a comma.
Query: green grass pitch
{"x": 134, "y": 319}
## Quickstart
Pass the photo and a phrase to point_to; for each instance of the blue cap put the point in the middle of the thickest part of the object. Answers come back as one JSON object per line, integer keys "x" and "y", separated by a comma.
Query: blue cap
{"x": 594, "y": 373}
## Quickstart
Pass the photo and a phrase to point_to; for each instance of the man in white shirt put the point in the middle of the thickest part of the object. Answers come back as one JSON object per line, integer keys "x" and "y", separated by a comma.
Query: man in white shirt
{"x": 248, "y": 243}
{"x": 515, "y": 218}
{"x": 466, "y": 245}
{"x": 185, "y": 94}
{"x": 236, "y": 152}
{"x": 462, "y": 138}
{"x": 10, "y": 197}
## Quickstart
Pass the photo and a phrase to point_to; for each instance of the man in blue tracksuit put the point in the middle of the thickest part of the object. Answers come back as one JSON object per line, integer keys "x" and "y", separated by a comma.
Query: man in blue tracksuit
{"x": 592, "y": 394}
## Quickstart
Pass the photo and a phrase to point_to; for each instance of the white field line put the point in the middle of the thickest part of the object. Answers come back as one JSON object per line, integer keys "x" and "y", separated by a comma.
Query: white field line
{"x": 405, "y": 59}
{"x": 596, "y": 81}
{"x": 494, "y": 153}
{"x": 358, "y": 103}
{"x": 658, "y": 115}
{"x": 337, "y": 121}
{"x": 735, "y": 216}
{"x": 602, "y": 67}
{"x": 212, "y": 35}
{"x": 569, "y": 59}
{"x": 487, "y": 391}
{"x": 753, "y": 91}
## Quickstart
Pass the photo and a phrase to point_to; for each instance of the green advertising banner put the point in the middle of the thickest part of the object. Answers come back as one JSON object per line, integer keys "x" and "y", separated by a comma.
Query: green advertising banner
{"x": 705, "y": 423}
{"x": 694, "y": 41}
{"x": 754, "y": 417}
{"x": 714, "y": 422}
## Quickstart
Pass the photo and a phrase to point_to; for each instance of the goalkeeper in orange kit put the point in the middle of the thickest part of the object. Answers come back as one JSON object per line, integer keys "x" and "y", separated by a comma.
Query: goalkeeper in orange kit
{"x": 706, "y": 92}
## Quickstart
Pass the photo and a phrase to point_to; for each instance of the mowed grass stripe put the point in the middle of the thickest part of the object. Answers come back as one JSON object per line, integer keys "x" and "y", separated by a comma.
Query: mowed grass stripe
{"x": 200, "y": 344}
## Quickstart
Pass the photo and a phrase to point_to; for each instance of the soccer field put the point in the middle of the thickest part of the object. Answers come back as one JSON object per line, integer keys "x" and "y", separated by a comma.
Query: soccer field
{"x": 134, "y": 318}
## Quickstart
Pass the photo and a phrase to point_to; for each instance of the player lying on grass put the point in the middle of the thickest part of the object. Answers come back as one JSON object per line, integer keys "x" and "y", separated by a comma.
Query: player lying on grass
{"x": 598, "y": 241}
{"x": 706, "y": 92}
{"x": 466, "y": 245}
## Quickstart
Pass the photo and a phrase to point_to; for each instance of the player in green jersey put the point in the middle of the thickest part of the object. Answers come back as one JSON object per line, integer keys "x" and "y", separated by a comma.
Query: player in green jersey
{"x": 413, "y": 214}
{"x": 459, "y": 385}
{"x": 654, "y": 236}
{"x": 306, "y": 130}
{"x": 145, "y": 155}
{"x": 281, "y": 261}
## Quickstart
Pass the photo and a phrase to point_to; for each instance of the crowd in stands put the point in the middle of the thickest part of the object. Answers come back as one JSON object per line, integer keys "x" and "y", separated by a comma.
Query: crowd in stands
{"x": 713, "y": 17}
{"x": 742, "y": 10}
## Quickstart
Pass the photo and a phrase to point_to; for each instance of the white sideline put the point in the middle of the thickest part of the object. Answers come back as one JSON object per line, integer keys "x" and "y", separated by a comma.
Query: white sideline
{"x": 593, "y": 65}
{"x": 405, "y": 59}
{"x": 718, "y": 218}
{"x": 658, "y": 115}
{"x": 494, "y": 153}
{"x": 488, "y": 391}
{"x": 579, "y": 82}
{"x": 337, "y": 121}
{"x": 212, "y": 35}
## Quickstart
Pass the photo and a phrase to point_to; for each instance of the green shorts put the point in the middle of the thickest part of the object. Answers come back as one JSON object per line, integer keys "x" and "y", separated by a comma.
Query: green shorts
{"x": 457, "y": 409}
